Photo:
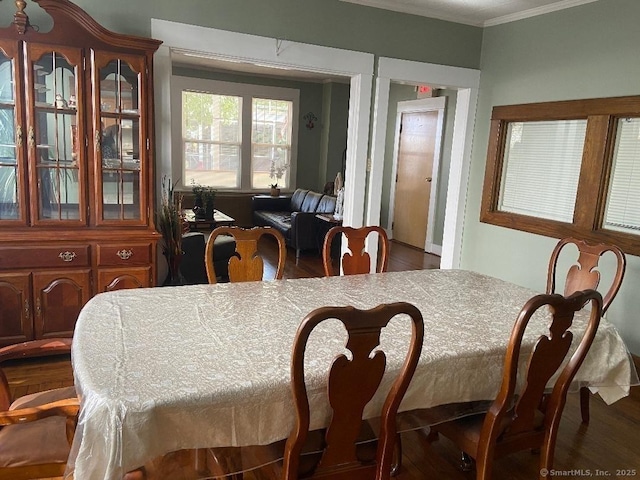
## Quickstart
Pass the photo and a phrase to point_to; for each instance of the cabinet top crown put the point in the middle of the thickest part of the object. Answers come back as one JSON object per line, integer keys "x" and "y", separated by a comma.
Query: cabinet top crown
{"x": 70, "y": 22}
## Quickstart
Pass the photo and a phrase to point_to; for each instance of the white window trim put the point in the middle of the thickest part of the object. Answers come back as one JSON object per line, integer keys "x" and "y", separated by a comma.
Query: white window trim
{"x": 247, "y": 92}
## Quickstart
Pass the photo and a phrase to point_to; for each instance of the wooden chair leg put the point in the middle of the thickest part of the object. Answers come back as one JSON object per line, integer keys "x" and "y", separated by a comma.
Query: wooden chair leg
{"x": 584, "y": 404}
{"x": 397, "y": 454}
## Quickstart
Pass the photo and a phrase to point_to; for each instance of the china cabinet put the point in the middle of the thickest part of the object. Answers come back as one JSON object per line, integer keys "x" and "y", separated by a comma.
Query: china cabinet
{"x": 76, "y": 168}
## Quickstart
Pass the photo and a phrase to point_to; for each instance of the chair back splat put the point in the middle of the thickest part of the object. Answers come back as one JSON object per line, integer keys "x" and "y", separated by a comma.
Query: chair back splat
{"x": 584, "y": 274}
{"x": 246, "y": 265}
{"x": 357, "y": 260}
{"x": 529, "y": 419}
{"x": 351, "y": 385}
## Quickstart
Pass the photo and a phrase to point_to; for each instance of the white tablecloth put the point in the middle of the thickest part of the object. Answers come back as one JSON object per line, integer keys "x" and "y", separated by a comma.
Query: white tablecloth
{"x": 164, "y": 369}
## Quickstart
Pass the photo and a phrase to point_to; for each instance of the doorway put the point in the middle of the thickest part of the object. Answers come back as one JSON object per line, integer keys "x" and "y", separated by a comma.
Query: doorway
{"x": 417, "y": 151}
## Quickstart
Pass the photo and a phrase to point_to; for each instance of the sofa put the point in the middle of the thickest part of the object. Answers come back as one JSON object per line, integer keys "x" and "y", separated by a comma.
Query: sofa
{"x": 294, "y": 217}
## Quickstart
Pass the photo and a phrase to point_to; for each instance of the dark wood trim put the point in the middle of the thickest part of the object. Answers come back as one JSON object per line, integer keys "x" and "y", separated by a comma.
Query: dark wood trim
{"x": 602, "y": 115}
{"x": 567, "y": 109}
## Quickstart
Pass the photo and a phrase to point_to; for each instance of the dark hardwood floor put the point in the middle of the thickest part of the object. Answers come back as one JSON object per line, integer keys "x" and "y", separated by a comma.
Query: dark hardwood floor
{"x": 608, "y": 447}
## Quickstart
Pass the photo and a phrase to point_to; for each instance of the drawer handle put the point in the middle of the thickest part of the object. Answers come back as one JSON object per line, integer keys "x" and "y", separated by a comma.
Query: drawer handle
{"x": 124, "y": 254}
{"x": 67, "y": 256}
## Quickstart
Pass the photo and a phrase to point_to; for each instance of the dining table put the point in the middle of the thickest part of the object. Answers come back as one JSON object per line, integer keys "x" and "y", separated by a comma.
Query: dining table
{"x": 159, "y": 370}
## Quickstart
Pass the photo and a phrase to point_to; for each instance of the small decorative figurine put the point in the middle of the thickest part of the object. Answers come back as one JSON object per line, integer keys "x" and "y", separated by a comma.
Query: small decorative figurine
{"x": 61, "y": 102}
{"x": 72, "y": 101}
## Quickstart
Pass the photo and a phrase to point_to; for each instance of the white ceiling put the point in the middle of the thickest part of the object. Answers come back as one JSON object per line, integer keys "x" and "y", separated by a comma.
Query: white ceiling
{"x": 481, "y": 13}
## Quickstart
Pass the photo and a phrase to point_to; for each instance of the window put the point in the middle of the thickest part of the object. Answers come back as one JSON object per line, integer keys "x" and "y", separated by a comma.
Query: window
{"x": 566, "y": 169}
{"x": 234, "y": 136}
{"x": 211, "y": 139}
{"x": 270, "y": 142}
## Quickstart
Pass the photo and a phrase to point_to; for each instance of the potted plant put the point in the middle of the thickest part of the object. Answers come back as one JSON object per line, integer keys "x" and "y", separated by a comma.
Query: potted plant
{"x": 198, "y": 199}
{"x": 209, "y": 197}
{"x": 170, "y": 226}
{"x": 277, "y": 171}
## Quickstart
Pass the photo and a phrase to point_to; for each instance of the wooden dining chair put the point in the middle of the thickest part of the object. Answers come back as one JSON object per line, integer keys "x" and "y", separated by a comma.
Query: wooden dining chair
{"x": 357, "y": 260}
{"x": 582, "y": 275}
{"x": 530, "y": 418}
{"x": 36, "y": 430}
{"x": 246, "y": 264}
{"x": 352, "y": 383}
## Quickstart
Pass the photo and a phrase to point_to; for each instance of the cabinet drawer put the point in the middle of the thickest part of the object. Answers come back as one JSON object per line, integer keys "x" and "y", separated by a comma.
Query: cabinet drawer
{"x": 45, "y": 256}
{"x": 122, "y": 254}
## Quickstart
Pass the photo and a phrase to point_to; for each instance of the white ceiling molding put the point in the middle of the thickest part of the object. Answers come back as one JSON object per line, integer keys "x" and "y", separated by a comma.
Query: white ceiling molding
{"x": 534, "y": 12}
{"x": 477, "y": 16}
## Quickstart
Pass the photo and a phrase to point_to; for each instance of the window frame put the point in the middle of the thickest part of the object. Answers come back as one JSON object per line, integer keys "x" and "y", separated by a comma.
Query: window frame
{"x": 595, "y": 171}
{"x": 247, "y": 91}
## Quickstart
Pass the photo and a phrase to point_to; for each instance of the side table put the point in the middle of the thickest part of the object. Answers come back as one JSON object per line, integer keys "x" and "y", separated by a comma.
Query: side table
{"x": 324, "y": 222}
{"x": 219, "y": 219}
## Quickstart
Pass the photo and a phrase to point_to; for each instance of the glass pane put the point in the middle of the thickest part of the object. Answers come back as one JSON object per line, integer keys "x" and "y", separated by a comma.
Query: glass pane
{"x": 212, "y": 135}
{"x": 623, "y": 202}
{"x": 55, "y": 137}
{"x": 6, "y": 80}
{"x": 9, "y": 208}
{"x": 270, "y": 165}
{"x": 54, "y": 82}
{"x": 120, "y": 145}
{"x": 121, "y": 195}
{"x": 119, "y": 88}
{"x": 212, "y": 164}
{"x": 59, "y": 193}
{"x": 541, "y": 168}
{"x": 271, "y": 142}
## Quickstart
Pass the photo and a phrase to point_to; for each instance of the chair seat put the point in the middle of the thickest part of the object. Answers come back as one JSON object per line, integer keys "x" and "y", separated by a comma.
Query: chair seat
{"x": 42, "y": 441}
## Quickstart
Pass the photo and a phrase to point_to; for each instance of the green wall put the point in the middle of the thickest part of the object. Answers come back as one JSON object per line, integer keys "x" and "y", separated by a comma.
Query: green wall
{"x": 336, "y": 112}
{"x": 327, "y": 22}
{"x": 588, "y": 51}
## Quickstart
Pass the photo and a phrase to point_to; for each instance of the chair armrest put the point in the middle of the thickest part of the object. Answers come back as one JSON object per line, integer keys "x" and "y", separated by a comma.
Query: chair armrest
{"x": 36, "y": 348}
{"x": 272, "y": 204}
{"x": 62, "y": 408}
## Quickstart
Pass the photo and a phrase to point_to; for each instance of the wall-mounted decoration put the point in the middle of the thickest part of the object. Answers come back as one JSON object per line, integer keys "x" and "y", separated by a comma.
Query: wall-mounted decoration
{"x": 310, "y": 120}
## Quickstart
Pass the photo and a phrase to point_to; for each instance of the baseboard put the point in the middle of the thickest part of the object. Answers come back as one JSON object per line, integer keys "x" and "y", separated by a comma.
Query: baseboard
{"x": 434, "y": 249}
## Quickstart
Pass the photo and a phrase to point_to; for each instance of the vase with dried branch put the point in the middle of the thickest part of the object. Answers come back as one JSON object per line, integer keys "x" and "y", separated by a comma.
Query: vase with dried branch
{"x": 170, "y": 224}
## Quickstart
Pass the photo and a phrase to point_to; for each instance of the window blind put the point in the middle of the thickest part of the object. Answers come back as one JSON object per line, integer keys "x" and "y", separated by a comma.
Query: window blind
{"x": 623, "y": 202}
{"x": 542, "y": 168}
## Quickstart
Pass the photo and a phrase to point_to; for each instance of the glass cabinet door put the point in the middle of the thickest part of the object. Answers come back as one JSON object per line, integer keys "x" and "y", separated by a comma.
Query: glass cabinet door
{"x": 120, "y": 139}
{"x": 54, "y": 149}
{"x": 12, "y": 195}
